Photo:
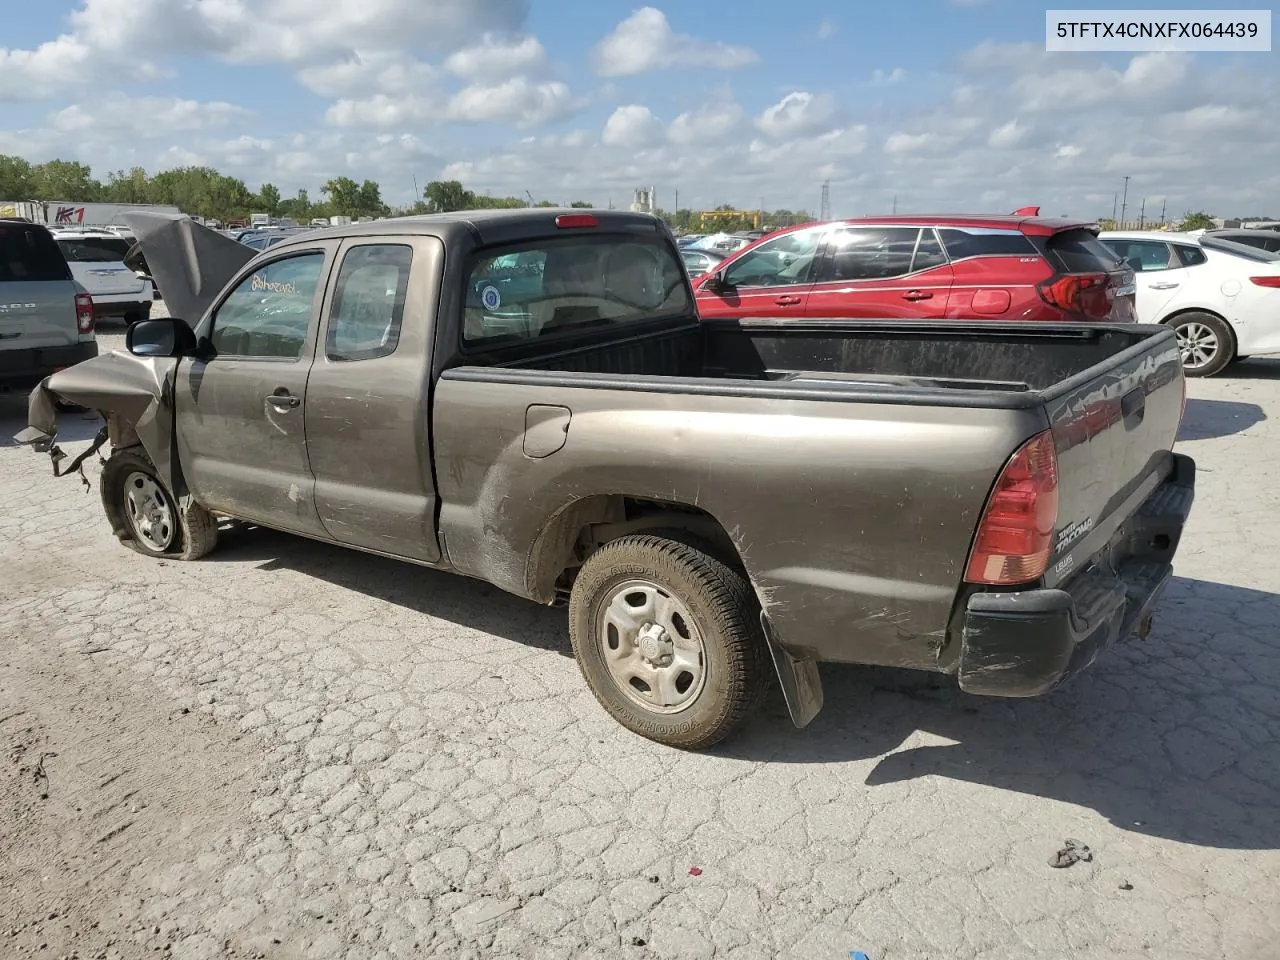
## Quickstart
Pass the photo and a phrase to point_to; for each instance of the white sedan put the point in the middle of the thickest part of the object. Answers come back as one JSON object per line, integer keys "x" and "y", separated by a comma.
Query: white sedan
{"x": 1221, "y": 298}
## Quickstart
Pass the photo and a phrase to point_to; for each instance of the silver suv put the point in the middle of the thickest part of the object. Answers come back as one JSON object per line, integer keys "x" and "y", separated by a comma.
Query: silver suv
{"x": 46, "y": 318}
{"x": 96, "y": 258}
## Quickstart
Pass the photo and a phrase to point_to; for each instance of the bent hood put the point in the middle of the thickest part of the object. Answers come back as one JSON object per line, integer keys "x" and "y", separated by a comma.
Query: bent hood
{"x": 189, "y": 262}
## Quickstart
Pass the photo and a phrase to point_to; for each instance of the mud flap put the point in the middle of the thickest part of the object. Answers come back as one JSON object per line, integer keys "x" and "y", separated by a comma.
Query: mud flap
{"x": 800, "y": 680}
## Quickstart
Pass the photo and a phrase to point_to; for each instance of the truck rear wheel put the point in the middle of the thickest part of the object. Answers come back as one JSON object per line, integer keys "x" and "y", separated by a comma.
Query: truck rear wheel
{"x": 144, "y": 514}
{"x": 668, "y": 639}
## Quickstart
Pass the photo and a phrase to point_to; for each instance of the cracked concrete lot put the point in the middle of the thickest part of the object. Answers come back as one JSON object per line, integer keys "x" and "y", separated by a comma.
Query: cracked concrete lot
{"x": 292, "y": 751}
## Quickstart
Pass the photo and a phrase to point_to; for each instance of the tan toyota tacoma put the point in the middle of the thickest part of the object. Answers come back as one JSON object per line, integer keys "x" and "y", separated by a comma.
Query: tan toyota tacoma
{"x": 528, "y": 397}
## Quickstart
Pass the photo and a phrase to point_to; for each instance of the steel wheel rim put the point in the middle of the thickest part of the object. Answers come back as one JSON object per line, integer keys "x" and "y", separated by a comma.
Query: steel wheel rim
{"x": 651, "y": 646}
{"x": 1197, "y": 344}
{"x": 147, "y": 508}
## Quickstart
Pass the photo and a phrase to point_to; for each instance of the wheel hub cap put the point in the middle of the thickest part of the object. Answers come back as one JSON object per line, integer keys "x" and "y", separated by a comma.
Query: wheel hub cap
{"x": 148, "y": 511}
{"x": 655, "y": 647}
{"x": 652, "y": 648}
{"x": 1197, "y": 344}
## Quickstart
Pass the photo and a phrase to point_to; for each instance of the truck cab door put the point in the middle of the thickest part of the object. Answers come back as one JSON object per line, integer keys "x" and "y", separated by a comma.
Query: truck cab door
{"x": 368, "y": 413}
{"x": 241, "y": 430}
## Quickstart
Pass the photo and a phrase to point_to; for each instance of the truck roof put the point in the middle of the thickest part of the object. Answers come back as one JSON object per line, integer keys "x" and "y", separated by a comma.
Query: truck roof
{"x": 485, "y": 227}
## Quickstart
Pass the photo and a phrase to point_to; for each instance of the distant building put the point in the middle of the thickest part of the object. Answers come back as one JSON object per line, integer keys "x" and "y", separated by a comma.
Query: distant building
{"x": 643, "y": 201}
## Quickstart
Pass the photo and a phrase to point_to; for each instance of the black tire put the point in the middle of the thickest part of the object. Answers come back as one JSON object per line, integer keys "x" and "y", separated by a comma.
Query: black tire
{"x": 1197, "y": 359}
{"x": 187, "y": 535}
{"x": 723, "y": 612}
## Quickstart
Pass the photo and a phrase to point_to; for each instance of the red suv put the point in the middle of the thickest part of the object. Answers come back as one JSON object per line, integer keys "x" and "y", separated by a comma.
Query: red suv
{"x": 1019, "y": 267}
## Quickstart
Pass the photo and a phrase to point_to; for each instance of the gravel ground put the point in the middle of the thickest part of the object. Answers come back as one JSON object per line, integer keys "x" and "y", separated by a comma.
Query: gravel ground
{"x": 293, "y": 751}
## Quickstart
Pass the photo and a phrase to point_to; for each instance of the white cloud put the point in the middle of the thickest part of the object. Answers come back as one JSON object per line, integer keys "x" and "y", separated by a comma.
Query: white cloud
{"x": 1008, "y": 135}
{"x": 121, "y": 114}
{"x": 888, "y": 78}
{"x": 645, "y": 41}
{"x": 909, "y": 142}
{"x": 492, "y": 58}
{"x": 799, "y": 113}
{"x": 518, "y": 101}
{"x": 826, "y": 30}
{"x": 710, "y": 123}
{"x": 108, "y": 35}
{"x": 1068, "y": 151}
{"x": 632, "y": 125}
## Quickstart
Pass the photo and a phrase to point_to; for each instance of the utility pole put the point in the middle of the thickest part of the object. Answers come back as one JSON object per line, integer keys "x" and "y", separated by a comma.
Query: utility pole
{"x": 824, "y": 211}
{"x": 1115, "y": 200}
{"x": 1142, "y": 214}
{"x": 1124, "y": 202}
{"x": 1163, "y": 204}
{"x": 676, "y": 201}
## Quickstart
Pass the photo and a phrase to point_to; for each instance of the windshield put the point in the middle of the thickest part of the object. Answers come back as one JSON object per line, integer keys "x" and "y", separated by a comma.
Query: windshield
{"x": 94, "y": 249}
{"x": 553, "y": 285}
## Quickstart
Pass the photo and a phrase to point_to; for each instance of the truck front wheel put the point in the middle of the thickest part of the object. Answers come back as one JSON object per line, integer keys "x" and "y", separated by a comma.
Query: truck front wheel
{"x": 144, "y": 515}
{"x": 668, "y": 639}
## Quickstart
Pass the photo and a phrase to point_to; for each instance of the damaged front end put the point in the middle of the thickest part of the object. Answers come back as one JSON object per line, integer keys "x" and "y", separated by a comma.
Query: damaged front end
{"x": 134, "y": 396}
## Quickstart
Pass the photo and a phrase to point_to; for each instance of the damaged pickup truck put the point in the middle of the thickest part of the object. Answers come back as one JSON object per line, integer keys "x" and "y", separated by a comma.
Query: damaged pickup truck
{"x": 528, "y": 397}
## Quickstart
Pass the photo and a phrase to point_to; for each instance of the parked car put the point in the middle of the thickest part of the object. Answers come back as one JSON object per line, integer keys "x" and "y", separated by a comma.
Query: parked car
{"x": 46, "y": 317}
{"x": 933, "y": 268}
{"x": 994, "y": 501}
{"x": 1263, "y": 239}
{"x": 96, "y": 258}
{"x": 698, "y": 262}
{"x": 1221, "y": 298}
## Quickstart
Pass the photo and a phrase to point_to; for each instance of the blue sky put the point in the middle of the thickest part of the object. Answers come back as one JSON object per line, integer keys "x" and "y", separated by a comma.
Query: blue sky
{"x": 942, "y": 104}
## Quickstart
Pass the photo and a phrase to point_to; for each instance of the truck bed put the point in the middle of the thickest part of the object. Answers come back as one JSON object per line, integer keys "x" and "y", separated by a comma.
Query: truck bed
{"x": 843, "y": 355}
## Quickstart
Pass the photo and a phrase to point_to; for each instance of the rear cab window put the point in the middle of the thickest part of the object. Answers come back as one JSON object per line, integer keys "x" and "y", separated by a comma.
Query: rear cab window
{"x": 554, "y": 285}
{"x": 29, "y": 253}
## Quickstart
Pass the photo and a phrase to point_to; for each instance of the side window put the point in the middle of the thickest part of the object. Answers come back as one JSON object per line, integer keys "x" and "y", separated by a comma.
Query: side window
{"x": 1189, "y": 256}
{"x": 267, "y": 315}
{"x": 963, "y": 242}
{"x": 368, "y": 304}
{"x": 928, "y": 253}
{"x": 782, "y": 262}
{"x": 870, "y": 253}
{"x": 1145, "y": 256}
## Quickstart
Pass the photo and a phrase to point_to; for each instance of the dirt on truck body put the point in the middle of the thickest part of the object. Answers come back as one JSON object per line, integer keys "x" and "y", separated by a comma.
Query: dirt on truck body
{"x": 529, "y": 397}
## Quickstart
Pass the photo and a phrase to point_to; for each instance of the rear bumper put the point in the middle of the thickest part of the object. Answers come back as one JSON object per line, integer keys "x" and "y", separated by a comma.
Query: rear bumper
{"x": 25, "y": 368}
{"x": 112, "y": 309}
{"x": 1025, "y": 644}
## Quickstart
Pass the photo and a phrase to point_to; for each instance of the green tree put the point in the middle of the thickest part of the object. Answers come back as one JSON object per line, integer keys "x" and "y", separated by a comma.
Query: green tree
{"x": 344, "y": 194}
{"x": 581, "y": 205}
{"x": 446, "y": 196}
{"x": 64, "y": 180}
{"x": 17, "y": 180}
{"x": 297, "y": 208}
{"x": 369, "y": 200}
{"x": 1197, "y": 221}
{"x": 127, "y": 186}
{"x": 269, "y": 199}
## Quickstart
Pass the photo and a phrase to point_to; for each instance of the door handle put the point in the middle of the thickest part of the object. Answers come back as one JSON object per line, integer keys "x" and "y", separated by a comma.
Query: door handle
{"x": 282, "y": 400}
{"x": 917, "y": 295}
{"x": 787, "y": 301}
{"x": 1163, "y": 286}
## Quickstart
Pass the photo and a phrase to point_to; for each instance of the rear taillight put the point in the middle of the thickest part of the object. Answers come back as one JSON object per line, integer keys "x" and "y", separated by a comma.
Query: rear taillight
{"x": 85, "y": 320}
{"x": 1015, "y": 536}
{"x": 1273, "y": 282}
{"x": 569, "y": 221}
{"x": 1081, "y": 293}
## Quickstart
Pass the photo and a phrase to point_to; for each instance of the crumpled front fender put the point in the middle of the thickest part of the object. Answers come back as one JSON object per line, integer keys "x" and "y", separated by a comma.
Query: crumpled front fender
{"x": 131, "y": 393}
